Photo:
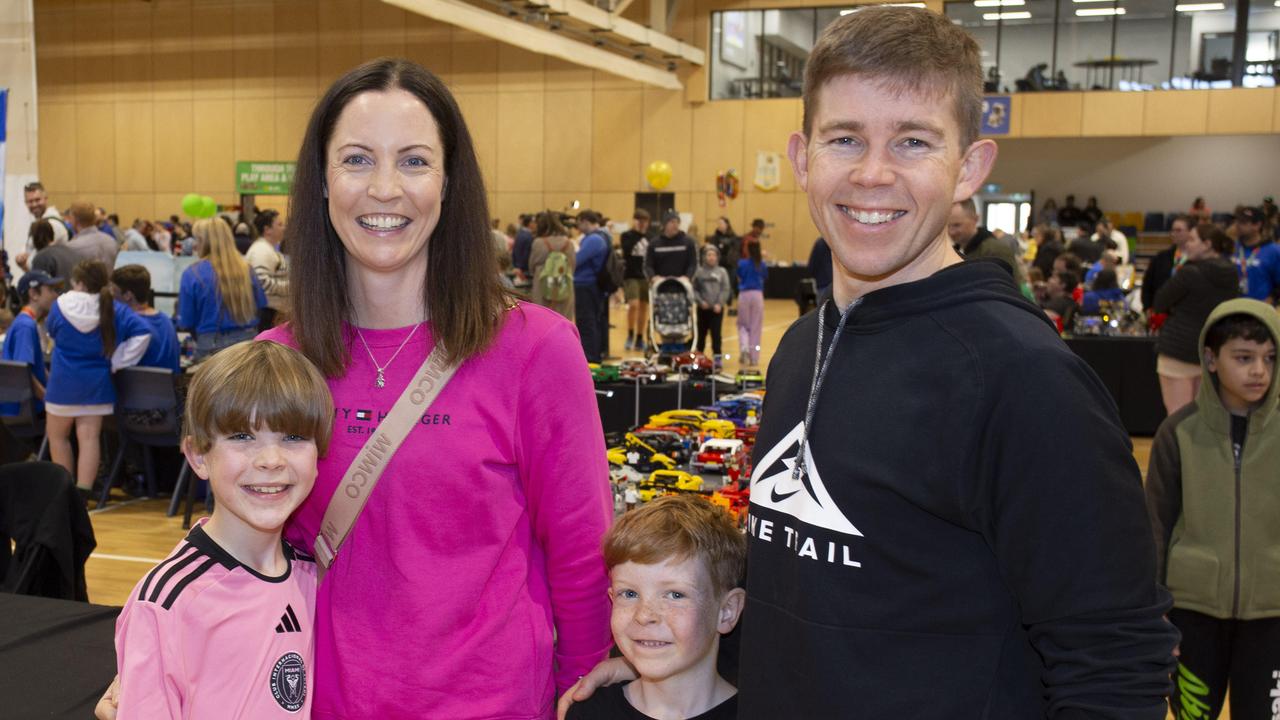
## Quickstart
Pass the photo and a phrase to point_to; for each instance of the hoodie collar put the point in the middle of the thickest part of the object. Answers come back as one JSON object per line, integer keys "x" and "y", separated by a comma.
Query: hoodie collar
{"x": 80, "y": 309}
{"x": 1208, "y": 401}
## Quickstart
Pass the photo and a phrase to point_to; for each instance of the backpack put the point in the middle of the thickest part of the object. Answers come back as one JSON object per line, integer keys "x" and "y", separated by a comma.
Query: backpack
{"x": 612, "y": 274}
{"x": 554, "y": 278}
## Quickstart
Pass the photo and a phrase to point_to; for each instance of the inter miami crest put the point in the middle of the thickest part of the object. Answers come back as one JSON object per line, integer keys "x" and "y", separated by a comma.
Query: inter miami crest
{"x": 289, "y": 682}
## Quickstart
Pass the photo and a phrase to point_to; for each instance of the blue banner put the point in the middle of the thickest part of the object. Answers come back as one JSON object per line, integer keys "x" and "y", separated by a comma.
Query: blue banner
{"x": 996, "y": 110}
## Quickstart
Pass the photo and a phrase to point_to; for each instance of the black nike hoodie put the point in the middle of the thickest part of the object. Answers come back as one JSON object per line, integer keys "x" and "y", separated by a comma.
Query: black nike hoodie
{"x": 969, "y": 539}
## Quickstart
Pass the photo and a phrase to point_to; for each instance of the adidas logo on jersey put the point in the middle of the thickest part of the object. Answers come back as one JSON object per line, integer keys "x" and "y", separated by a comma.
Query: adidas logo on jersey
{"x": 288, "y": 622}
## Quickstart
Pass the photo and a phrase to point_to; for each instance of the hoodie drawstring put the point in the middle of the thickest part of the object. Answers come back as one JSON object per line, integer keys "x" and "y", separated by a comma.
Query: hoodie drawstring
{"x": 820, "y": 367}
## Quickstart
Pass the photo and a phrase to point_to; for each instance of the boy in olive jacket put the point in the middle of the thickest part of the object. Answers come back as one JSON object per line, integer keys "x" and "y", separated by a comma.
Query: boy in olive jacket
{"x": 1213, "y": 491}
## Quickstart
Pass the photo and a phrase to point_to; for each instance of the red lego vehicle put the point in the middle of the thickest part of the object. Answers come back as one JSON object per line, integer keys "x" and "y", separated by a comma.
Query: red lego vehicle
{"x": 695, "y": 364}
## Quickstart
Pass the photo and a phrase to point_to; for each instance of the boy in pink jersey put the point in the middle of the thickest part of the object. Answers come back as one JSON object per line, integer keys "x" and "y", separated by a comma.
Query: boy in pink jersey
{"x": 222, "y": 628}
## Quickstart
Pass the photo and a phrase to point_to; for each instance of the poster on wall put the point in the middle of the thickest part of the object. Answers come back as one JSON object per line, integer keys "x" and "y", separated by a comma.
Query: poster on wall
{"x": 733, "y": 39}
{"x": 996, "y": 110}
{"x": 768, "y": 170}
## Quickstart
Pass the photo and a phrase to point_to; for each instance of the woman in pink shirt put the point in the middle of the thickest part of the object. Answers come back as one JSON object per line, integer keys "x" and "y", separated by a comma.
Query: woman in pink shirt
{"x": 472, "y": 584}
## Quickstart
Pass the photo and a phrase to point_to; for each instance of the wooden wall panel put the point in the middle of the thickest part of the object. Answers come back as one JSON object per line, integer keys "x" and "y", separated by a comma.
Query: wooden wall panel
{"x": 94, "y": 37}
{"x": 1052, "y": 114}
{"x": 339, "y": 41}
{"x": 294, "y": 48}
{"x": 429, "y": 43}
{"x": 1112, "y": 114}
{"x": 668, "y": 135}
{"x": 131, "y": 54}
{"x": 174, "y": 130}
{"x": 55, "y": 52}
{"x": 134, "y": 146}
{"x": 616, "y": 140}
{"x": 171, "y": 57}
{"x": 58, "y": 148}
{"x": 474, "y": 63}
{"x": 213, "y": 69}
{"x": 383, "y": 30}
{"x": 615, "y": 206}
{"x": 564, "y": 75}
{"x": 608, "y": 81}
{"x": 1275, "y": 114}
{"x": 559, "y": 200}
{"x": 778, "y": 211}
{"x": 291, "y": 115}
{"x": 767, "y": 127}
{"x": 254, "y": 132}
{"x": 718, "y": 141}
{"x": 1185, "y": 112}
{"x": 480, "y": 110}
{"x": 213, "y": 151}
{"x": 95, "y": 147}
{"x": 519, "y": 70}
{"x": 253, "y": 49}
{"x": 508, "y": 206}
{"x": 1241, "y": 111}
{"x": 131, "y": 206}
{"x": 519, "y": 159}
{"x": 566, "y": 141}
{"x": 170, "y": 203}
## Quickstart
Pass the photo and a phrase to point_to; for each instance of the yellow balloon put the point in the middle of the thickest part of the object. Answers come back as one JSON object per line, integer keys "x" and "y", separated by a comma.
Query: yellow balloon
{"x": 658, "y": 174}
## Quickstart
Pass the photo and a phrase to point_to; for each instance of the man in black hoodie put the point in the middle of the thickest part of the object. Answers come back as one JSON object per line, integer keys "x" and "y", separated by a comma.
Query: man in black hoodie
{"x": 912, "y": 554}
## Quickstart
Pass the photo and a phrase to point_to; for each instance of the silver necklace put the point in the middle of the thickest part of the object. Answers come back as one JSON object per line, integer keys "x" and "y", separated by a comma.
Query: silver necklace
{"x": 381, "y": 381}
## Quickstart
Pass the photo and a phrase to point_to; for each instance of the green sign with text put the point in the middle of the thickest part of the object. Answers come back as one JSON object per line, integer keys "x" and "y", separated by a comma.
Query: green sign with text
{"x": 264, "y": 178}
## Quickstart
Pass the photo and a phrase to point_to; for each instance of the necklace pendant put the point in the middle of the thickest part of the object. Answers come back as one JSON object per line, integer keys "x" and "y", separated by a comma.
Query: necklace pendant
{"x": 381, "y": 381}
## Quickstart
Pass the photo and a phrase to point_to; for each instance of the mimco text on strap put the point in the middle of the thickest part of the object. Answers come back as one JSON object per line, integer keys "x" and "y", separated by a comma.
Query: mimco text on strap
{"x": 362, "y": 476}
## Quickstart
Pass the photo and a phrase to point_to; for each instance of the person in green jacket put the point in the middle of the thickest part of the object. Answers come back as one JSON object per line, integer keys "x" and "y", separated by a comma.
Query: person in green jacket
{"x": 1213, "y": 491}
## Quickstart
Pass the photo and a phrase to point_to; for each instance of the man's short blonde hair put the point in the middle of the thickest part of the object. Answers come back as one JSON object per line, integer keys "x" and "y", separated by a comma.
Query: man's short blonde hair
{"x": 256, "y": 384}
{"x": 908, "y": 49}
{"x": 680, "y": 527}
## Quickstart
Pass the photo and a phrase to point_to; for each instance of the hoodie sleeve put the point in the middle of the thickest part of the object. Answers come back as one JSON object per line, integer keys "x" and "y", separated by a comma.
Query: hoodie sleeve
{"x": 725, "y": 289}
{"x": 1174, "y": 289}
{"x": 1073, "y": 539}
{"x": 1164, "y": 488}
{"x": 691, "y": 249}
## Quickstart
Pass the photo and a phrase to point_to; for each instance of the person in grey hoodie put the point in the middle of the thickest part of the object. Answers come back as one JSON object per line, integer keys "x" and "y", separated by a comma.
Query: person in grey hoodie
{"x": 712, "y": 290}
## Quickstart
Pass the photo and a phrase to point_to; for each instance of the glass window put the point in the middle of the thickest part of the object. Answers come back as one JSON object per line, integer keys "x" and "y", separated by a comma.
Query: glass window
{"x": 761, "y": 53}
{"x": 1262, "y": 53}
{"x": 1085, "y": 33}
{"x": 1144, "y": 40}
{"x": 1026, "y": 45}
{"x": 969, "y": 17}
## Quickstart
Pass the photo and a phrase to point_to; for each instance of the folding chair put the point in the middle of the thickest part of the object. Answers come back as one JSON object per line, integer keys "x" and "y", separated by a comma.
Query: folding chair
{"x": 15, "y": 387}
{"x": 147, "y": 415}
{"x": 43, "y": 516}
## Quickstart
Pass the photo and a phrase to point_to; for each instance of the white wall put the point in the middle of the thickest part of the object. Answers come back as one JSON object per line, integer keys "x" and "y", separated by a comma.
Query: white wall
{"x": 18, "y": 73}
{"x": 1144, "y": 174}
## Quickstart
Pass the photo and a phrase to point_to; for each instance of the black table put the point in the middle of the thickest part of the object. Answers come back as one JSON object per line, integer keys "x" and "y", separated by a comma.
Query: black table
{"x": 1127, "y": 366}
{"x": 782, "y": 281}
{"x": 618, "y": 412}
{"x": 56, "y": 656}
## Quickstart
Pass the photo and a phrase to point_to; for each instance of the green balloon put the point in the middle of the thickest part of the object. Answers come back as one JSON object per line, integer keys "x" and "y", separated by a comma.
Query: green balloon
{"x": 192, "y": 204}
{"x": 208, "y": 208}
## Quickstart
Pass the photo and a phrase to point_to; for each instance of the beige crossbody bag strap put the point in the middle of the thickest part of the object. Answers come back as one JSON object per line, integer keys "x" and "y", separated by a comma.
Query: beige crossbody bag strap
{"x": 361, "y": 477}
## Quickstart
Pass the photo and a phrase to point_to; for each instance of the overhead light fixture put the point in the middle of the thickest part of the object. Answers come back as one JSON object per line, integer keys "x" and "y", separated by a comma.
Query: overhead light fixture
{"x": 1007, "y": 16}
{"x": 1091, "y": 12}
{"x": 1199, "y": 7}
{"x": 1004, "y": 3}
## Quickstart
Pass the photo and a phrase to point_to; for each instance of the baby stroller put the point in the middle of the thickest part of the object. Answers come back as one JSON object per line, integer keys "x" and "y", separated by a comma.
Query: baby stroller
{"x": 673, "y": 324}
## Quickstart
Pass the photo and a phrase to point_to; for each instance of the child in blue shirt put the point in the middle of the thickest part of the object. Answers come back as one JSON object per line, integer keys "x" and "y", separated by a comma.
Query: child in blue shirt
{"x": 22, "y": 341}
{"x": 131, "y": 284}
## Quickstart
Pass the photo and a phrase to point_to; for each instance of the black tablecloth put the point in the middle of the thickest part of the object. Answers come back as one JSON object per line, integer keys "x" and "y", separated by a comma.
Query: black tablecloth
{"x": 1127, "y": 366}
{"x": 782, "y": 281}
{"x": 56, "y": 656}
{"x": 617, "y": 413}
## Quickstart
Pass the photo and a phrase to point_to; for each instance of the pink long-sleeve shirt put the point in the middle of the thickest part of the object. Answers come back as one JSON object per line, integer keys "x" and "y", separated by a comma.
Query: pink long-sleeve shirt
{"x": 472, "y": 585}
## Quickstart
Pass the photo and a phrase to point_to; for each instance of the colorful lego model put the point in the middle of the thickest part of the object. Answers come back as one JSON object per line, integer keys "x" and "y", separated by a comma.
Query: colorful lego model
{"x": 663, "y": 482}
{"x": 645, "y": 372}
{"x": 720, "y": 454}
{"x": 749, "y": 379}
{"x": 694, "y": 364}
{"x": 636, "y": 453}
{"x": 667, "y": 441}
{"x": 604, "y": 373}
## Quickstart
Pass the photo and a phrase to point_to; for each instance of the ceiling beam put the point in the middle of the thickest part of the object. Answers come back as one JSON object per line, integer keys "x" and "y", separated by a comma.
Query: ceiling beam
{"x": 622, "y": 6}
{"x": 535, "y": 39}
{"x": 632, "y": 31}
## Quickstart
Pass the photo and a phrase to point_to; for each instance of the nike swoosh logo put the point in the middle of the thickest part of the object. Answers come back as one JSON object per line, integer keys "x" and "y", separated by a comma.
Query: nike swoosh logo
{"x": 775, "y": 497}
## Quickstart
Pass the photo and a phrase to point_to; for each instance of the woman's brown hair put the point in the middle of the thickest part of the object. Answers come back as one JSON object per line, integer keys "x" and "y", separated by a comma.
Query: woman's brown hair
{"x": 93, "y": 275}
{"x": 462, "y": 291}
{"x": 231, "y": 272}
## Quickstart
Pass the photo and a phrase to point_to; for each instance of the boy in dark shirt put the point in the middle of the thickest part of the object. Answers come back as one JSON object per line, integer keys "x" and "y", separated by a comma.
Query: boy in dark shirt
{"x": 675, "y": 573}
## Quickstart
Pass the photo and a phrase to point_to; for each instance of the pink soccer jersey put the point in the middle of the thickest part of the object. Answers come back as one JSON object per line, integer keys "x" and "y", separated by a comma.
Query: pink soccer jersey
{"x": 204, "y": 636}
